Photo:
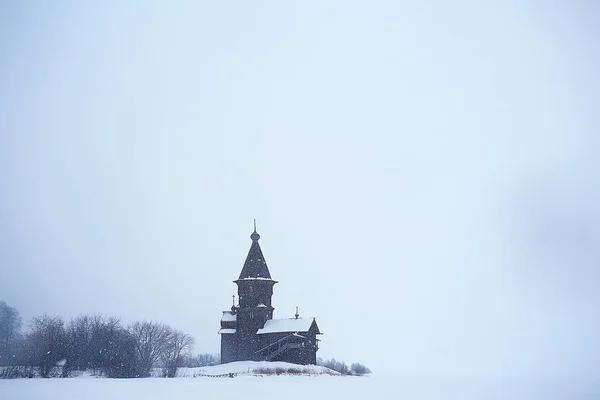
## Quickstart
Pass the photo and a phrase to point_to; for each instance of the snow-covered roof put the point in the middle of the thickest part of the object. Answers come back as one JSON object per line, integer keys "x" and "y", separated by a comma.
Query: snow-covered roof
{"x": 228, "y": 316}
{"x": 224, "y": 330}
{"x": 286, "y": 325}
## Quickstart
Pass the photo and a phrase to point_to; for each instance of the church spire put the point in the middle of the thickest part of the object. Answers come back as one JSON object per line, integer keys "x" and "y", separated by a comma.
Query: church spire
{"x": 255, "y": 265}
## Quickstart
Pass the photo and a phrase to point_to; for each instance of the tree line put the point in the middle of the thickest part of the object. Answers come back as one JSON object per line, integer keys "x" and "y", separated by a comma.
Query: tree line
{"x": 92, "y": 342}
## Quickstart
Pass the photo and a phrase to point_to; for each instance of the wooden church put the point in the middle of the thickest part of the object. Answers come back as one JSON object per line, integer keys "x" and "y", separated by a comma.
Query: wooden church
{"x": 249, "y": 332}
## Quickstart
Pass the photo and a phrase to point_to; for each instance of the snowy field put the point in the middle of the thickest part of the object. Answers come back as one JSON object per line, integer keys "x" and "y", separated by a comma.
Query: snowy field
{"x": 288, "y": 387}
{"x": 250, "y": 383}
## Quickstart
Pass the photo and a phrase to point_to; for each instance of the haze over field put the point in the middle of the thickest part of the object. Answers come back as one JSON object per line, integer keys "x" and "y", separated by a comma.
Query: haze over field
{"x": 425, "y": 176}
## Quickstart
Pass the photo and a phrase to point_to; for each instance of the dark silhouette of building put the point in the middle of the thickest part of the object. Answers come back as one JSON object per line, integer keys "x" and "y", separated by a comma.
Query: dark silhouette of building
{"x": 249, "y": 332}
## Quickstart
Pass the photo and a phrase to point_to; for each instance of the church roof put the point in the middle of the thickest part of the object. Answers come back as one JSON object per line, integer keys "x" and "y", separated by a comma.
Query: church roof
{"x": 288, "y": 325}
{"x": 228, "y": 316}
{"x": 255, "y": 266}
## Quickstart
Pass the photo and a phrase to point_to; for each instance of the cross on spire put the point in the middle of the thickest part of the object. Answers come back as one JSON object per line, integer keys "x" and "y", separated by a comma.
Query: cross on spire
{"x": 255, "y": 236}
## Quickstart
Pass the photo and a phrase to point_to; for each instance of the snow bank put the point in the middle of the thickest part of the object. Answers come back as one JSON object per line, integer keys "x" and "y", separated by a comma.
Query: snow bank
{"x": 255, "y": 368}
{"x": 236, "y": 368}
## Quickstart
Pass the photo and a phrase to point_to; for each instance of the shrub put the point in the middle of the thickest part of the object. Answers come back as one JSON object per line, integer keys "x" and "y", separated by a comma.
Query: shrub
{"x": 341, "y": 367}
{"x": 359, "y": 369}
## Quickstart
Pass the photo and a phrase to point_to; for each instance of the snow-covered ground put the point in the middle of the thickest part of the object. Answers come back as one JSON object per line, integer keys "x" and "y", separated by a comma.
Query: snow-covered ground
{"x": 289, "y": 388}
{"x": 316, "y": 382}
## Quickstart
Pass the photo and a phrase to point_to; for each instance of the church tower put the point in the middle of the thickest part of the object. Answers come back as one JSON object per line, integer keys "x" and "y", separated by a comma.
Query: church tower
{"x": 255, "y": 289}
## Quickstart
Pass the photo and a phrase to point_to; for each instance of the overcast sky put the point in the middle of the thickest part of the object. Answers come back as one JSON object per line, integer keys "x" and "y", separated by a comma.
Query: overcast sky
{"x": 425, "y": 175}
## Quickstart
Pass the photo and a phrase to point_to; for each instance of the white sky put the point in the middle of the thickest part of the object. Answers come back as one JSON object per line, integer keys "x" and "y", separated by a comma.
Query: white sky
{"x": 424, "y": 174}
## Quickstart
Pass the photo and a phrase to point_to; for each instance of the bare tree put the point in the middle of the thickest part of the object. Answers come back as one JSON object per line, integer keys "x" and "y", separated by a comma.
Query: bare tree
{"x": 121, "y": 359}
{"x": 103, "y": 330}
{"x": 201, "y": 360}
{"x": 46, "y": 342}
{"x": 151, "y": 341}
{"x": 79, "y": 336}
{"x": 10, "y": 330}
{"x": 102, "y": 344}
{"x": 178, "y": 346}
